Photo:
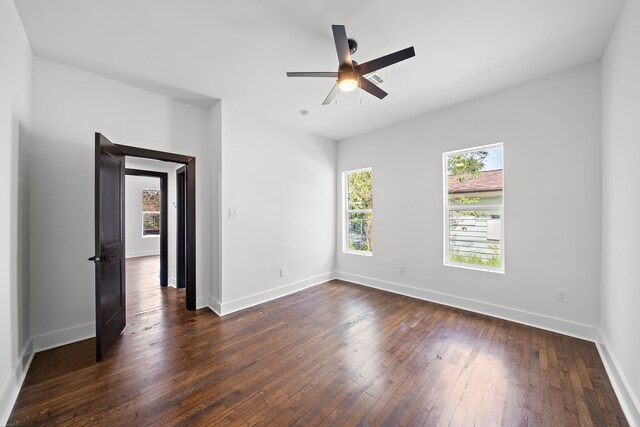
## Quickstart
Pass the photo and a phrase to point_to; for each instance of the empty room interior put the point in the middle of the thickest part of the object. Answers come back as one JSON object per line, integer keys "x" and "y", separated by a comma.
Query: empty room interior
{"x": 320, "y": 213}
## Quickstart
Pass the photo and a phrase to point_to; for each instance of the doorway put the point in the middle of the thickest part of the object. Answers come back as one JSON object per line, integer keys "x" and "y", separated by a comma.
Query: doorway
{"x": 110, "y": 256}
{"x": 151, "y": 221}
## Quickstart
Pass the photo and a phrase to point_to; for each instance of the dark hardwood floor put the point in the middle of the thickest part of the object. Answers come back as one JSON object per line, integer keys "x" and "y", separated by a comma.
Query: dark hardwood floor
{"x": 335, "y": 354}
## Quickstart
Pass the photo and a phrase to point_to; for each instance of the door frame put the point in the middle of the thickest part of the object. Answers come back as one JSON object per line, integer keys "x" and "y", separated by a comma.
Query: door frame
{"x": 190, "y": 206}
{"x": 181, "y": 237}
{"x": 164, "y": 218}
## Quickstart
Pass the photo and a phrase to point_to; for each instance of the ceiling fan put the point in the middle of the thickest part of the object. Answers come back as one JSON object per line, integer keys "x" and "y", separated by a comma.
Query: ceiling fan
{"x": 350, "y": 74}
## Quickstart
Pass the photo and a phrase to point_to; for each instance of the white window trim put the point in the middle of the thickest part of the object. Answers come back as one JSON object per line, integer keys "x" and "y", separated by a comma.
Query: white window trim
{"x": 346, "y": 211}
{"x": 500, "y": 208}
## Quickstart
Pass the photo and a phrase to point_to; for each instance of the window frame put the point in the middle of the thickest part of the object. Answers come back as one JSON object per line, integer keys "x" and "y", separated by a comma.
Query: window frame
{"x": 447, "y": 262}
{"x": 346, "y": 211}
{"x": 150, "y": 236}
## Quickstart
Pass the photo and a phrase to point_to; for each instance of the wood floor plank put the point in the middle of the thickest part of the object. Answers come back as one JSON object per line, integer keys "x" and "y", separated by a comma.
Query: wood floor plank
{"x": 334, "y": 354}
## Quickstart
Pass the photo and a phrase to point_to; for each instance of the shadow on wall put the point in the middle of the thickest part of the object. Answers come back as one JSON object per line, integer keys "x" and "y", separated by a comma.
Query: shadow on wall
{"x": 19, "y": 236}
{"x": 62, "y": 232}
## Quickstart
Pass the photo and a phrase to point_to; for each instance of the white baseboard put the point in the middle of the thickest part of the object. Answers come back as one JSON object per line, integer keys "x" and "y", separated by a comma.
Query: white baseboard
{"x": 13, "y": 384}
{"x": 214, "y": 305}
{"x": 202, "y": 302}
{"x": 628, "y": 401}
{"x": 249, "y": 301}
{"x": 142, "y": 253}
{"x": 548, "y": 323}
{"x": 64, "y": 336}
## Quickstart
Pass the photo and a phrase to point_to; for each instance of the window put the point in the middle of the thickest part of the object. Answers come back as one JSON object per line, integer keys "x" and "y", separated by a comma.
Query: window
{"x": 150, "y": 212}
{"x": 358, "y": 211}
{"x": 474, "y": 208}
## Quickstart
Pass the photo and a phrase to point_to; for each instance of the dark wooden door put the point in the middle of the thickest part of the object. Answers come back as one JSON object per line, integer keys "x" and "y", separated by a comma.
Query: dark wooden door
{"x": 110, "y": 246}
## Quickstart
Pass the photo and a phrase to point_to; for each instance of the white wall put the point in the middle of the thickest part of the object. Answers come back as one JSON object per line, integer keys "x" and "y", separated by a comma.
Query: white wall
{"x": 551, "y": 134}
{"x": 69, "y": 106}
{"x": 620, "y": 206}
{"x": 282, "y": 181}
{"x": 15, "y": 112}
{"x": 136, "y": 244}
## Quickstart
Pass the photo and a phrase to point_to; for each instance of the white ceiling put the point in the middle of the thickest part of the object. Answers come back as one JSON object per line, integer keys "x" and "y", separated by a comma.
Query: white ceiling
{"x": 239, "y": 50}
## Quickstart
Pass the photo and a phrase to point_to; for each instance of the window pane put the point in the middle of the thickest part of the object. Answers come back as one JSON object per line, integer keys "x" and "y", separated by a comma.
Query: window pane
{"x": 475, "y": 184}
{"x": 150, "y": 200}
{"x": 360, "y": 232}
{"x": 151, "y": 223}
{"x": 359, "y": 188}
{"x": 475, "y": 177}
{"x": 475, "y": 237}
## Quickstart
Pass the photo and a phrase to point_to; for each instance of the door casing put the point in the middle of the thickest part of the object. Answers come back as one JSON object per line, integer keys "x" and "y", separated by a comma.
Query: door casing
{"x": 190, "y": 208}
{"x": 181, "y": 237}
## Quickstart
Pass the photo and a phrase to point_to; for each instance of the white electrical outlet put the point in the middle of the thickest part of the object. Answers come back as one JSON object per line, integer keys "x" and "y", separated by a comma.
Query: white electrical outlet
{"x": 562, "y": 296}
{"x": 402, "y": 270}
{"x": 281, "y": 271}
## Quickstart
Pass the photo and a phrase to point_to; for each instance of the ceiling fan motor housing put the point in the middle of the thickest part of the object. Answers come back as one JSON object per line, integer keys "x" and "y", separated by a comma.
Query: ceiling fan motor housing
{"x": 348, "y": 73}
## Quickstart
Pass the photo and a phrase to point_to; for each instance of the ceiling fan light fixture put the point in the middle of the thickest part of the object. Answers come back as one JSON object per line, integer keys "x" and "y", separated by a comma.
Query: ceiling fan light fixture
{"x": 348, "y": 81}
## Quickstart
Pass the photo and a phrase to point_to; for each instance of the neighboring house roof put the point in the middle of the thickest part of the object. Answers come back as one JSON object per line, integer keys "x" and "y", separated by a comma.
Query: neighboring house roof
{"x": 487, "y": 181}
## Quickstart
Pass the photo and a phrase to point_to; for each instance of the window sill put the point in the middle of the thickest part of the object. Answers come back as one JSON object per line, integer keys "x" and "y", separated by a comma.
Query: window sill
{"x": 361, "y": 253}
{"x": 472, "y": 267}
{"x": 151, "y": 236}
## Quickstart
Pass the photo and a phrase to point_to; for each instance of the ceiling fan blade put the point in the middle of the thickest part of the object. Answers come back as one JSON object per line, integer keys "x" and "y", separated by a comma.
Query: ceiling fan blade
{"x": 371, "y": 88}
{"x": 385, "y": 61}
{"x": 312, "y": 74}
{"x": 342, "y": 45}
{"x": 332, "y": 95}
